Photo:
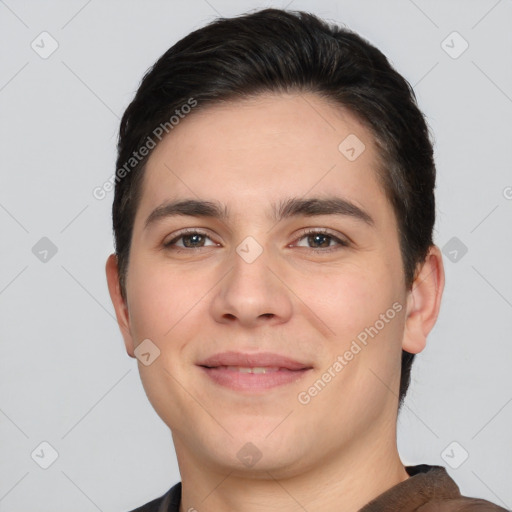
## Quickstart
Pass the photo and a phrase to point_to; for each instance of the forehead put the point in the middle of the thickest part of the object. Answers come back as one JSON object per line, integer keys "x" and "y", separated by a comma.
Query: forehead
{"x": 257, "y": 151}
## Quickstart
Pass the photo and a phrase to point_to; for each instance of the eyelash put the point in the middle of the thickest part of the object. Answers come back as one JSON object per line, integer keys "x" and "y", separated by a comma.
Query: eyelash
{"x": 310, "y": 232}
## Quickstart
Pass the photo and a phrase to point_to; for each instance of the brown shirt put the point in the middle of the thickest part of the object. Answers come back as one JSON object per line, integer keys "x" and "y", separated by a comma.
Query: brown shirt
{"x": 428, "y": 489}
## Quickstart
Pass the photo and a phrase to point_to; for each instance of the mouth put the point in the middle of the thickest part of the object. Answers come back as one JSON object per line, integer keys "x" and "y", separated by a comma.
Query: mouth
{"x": 248, "y": 369}
{"x": 253, "y": 372}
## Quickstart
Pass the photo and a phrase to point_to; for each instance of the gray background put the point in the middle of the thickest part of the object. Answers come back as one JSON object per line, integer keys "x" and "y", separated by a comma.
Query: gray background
{"x": 65, "y": 377}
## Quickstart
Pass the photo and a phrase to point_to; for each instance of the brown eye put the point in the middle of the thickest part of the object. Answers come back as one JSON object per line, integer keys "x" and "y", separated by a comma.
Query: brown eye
{"x": 196, "y": 240}
{"x": 192, "y": 239}
{"x": 321, "y": 239}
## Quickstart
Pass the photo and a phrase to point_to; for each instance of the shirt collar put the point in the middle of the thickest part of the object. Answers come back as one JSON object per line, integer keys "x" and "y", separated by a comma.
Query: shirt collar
{"x": 425, "y": 483}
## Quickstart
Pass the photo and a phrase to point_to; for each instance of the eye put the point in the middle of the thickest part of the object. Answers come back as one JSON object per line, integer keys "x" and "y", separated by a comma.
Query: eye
{"x": 190, "y": 239}
{"x": 321, "y": 239}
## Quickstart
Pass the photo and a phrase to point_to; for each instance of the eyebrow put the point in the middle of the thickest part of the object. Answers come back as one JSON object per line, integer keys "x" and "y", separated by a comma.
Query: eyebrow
{"x": 293, "y": 207}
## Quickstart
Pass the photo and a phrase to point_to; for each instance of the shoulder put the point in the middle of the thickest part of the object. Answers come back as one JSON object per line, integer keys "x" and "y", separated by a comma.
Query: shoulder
{"x": 462, "y": 504}
{"x": 439, "y": 481}
{"x": 428, "y": 489}
{"x": 169, "y": 502}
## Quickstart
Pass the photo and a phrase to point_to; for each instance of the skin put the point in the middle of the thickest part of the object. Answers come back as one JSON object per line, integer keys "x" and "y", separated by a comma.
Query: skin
{"x": 338, "y": 451}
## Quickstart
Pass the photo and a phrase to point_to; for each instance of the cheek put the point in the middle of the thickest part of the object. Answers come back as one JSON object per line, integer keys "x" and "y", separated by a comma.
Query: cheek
{"x": 162, "y": 307}
{"x": 348, "y": 300}
{"x": 158, "y": 299}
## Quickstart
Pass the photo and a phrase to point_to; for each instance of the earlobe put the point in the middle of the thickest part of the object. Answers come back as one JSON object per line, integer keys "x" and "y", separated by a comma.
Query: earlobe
{"x": 119, "y": 303}
{"x": 424, "y": 301}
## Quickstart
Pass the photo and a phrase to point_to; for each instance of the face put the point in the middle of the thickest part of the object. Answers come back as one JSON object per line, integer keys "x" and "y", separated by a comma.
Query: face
{"x": 278, "y": 308}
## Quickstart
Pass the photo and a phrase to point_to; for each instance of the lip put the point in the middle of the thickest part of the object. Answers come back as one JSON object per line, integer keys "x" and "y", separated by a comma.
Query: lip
{"x": 222, "y": 369}
{"x": 256, "y": 359}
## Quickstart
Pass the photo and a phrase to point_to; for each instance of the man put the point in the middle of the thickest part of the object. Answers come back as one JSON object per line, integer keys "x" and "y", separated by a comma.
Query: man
{"x": 275, "y": 271}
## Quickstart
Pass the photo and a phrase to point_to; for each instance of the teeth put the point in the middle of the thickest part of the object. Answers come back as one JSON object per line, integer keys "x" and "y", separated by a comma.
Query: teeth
{"x": 253, "y": 369}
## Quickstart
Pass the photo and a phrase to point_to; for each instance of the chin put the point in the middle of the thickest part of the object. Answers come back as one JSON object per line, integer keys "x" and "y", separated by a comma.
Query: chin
{"x": 256, "y": 451}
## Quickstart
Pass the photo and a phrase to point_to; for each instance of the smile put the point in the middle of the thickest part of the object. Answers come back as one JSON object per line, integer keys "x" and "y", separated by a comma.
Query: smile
{"x": 255, "y": 369}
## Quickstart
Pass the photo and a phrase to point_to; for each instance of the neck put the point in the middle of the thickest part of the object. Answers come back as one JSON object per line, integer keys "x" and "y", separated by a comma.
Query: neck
{"x": 343, "y": 481}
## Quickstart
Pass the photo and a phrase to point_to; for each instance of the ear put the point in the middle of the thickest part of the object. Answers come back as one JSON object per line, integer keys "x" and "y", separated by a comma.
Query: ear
{"x": 424, "y": 301}
{"x": 120, "y": 306}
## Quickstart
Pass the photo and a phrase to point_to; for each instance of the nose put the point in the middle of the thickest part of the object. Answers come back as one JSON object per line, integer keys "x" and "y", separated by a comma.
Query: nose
{"x": 253, "y": 292}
